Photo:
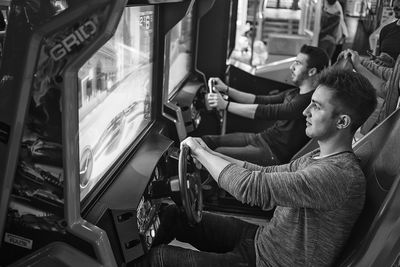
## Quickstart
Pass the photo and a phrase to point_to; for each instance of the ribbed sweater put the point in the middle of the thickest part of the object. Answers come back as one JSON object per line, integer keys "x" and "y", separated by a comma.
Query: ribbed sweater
{"x": 317, "y": 202}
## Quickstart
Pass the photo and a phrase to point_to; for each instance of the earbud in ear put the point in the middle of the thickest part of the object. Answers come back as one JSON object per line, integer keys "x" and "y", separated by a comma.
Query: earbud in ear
{"x": 343, "y": 122}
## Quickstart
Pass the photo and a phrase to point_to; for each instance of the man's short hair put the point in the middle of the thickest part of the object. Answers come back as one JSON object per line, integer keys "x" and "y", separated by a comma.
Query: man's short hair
{"x": 317, "y": 57}
{"x": 353, "y": 94}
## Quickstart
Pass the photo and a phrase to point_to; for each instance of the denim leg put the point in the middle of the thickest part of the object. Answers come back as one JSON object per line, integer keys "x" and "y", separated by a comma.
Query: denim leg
{"x": 222, "y": 241}
{"x": 171, "y": 256}
{"x": 256, "y": 155}
{"x": 243, "y": 146}
{"x": 215, "y": 233}
{"x": 229, "y": 140}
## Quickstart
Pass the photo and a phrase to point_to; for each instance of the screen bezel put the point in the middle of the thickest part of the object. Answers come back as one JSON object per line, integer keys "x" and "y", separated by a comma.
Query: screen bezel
{"x": 169, "y": 95}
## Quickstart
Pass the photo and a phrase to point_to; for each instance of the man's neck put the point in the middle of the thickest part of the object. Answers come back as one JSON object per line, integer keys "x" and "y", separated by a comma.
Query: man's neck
{"x": 305, "y": 87}
{"x": 335, "y": 145}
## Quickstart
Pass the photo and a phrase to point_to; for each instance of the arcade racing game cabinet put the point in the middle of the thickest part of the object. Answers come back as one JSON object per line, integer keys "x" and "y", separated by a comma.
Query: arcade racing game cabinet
{"x": 85, "y": 157}
{"x": 87, "y": 153}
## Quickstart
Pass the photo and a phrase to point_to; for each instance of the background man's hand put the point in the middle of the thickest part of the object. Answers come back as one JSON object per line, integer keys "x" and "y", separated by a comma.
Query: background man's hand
{"x": 215, "y": 100}
{"x": 216, "y": 83}
{"x": 355, "y": 57}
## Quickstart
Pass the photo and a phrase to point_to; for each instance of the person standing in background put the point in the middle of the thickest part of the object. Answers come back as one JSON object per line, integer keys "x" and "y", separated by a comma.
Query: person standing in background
{"x": 389, "y": 37}
{"x": 333, "y": 27}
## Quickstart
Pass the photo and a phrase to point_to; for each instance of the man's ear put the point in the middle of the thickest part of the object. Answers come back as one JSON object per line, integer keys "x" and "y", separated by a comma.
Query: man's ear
{"x": 312, "y": 72}
{"x": 343, "y": 121}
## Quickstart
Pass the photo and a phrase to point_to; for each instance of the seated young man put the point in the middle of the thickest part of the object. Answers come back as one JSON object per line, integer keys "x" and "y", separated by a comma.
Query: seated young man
{"x": 318, "y": 197}
{"x": 281, "y": 141}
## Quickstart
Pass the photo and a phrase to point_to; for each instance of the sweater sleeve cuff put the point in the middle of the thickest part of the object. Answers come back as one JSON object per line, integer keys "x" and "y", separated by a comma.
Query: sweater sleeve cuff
{"x": 223, "y": 177}
{"x": 258, "y": 114}
{"x": 250, "y": 166}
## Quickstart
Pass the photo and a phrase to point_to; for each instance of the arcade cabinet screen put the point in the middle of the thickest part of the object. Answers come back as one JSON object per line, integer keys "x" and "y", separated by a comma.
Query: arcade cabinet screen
{"x": 115, "y": 95}
{"x": 179, "y": 43}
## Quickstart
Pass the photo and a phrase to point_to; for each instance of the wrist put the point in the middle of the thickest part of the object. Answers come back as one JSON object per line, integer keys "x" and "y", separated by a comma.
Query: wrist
{"x": 201, "y": 154}
{"x": 227, "y": 105}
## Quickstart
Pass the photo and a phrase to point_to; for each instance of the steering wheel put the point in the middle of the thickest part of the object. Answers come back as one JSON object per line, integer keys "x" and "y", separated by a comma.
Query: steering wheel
{"x": 190, "y": 189}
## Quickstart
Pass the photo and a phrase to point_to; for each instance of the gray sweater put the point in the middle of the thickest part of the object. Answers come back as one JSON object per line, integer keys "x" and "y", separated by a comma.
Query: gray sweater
{"x": 317, "y": 202}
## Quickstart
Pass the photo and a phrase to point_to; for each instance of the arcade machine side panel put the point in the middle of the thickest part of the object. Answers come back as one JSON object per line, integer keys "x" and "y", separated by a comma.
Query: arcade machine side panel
{"x": 181, "y": 83}
{"x": 51, "y": 35}
{"x": 185, "y": 79}
{"x": 213, "y": 44}
{"x": 179, "y": 48}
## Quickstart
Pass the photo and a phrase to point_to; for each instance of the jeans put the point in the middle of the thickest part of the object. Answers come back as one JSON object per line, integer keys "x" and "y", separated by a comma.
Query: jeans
{"x": 222, "y": 241}
{"x": 249, "y": 147}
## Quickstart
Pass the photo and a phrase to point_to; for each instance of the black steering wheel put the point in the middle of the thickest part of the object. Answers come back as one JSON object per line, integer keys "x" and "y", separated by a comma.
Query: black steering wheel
{"x": 190, "y": 189}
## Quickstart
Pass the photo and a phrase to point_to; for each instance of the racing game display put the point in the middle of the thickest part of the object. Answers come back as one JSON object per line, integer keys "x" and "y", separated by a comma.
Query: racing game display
{"x": 115, "y": 95}
{"x": 180, "y": 46}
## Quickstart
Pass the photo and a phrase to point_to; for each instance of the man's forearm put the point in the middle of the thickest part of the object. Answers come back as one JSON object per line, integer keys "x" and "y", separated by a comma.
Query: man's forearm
{"x": 382, "y": 72}
{"x": 213, "y": 163}
{"x": 243, "y": 110}
{"x": 227, "y": 158}
{"x": 241, "y": 97}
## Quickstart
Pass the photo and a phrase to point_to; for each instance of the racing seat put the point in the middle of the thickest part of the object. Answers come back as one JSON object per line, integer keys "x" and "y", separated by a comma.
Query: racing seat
{"x": 379, "y": 152}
